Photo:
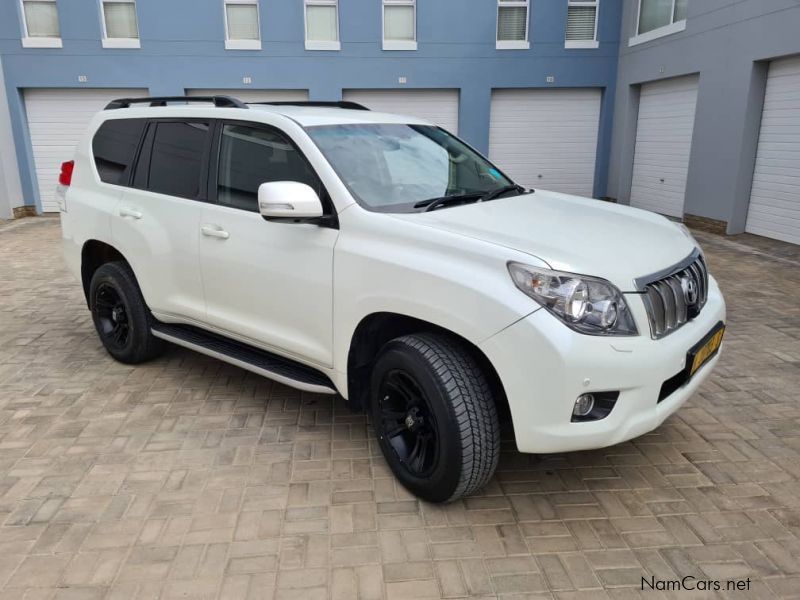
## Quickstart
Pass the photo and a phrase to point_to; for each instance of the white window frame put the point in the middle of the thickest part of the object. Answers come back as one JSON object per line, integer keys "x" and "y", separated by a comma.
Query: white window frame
{"x": 593, "y": 43}
{"x": 38, "y": 42}
{"x": 109, "y": 42}
{"x": 398, "y": 44}
{"x": 654, "y": 34}
{"x": 234, "y": 44}
{"x": 513, "y": 44}
{"x": 316, "y": 44}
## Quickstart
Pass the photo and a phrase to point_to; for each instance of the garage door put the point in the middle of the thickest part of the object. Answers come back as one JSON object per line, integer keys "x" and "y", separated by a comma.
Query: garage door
{"x": 663, "y": 143}
{"x": 255, "y": 95}
{"x": 775, "y": 195}
{"x": 546, "y": 138}
{"x": 57, "y": 118}
{"x": 440, "y": 107}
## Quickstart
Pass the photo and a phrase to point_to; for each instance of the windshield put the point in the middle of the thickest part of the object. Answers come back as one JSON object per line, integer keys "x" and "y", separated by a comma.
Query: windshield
{"x": 392, "y": 167}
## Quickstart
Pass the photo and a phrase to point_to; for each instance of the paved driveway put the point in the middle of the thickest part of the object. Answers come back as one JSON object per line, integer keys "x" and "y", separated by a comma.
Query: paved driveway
{"x": 189, "y": 478}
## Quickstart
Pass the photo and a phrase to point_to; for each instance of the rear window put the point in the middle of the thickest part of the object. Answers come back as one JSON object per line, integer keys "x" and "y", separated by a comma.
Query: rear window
{"x": 114, "y": 148}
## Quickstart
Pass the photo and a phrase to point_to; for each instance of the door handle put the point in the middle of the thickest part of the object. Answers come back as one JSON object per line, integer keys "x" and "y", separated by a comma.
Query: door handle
{"x": 129, "y": 212}
{"x": 215, "y": 232}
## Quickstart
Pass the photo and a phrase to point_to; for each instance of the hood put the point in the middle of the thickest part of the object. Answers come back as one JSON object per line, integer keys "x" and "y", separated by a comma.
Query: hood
{"x": 569, "y": 233}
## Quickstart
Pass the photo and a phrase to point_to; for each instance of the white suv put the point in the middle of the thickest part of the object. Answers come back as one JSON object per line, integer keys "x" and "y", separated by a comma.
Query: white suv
{"x": 338, "y": 250}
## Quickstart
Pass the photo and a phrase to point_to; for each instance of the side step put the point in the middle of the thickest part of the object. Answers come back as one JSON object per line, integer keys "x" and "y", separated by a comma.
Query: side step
{"x": 261, "y": 362}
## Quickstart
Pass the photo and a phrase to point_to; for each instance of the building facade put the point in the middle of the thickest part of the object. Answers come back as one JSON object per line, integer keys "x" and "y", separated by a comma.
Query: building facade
{"x": 707, "y": 116}
{"x": 687, "y": 107}
{"x": 475, "y": 67}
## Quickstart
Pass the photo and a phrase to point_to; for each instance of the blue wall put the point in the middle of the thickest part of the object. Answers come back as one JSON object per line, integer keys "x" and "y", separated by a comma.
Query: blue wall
{"x": 182, "y": 46}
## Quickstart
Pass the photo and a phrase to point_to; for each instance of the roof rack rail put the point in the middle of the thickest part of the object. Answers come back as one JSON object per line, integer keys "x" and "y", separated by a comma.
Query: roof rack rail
{"x": 219, "y": 101}
{"x": 339, "y": 104}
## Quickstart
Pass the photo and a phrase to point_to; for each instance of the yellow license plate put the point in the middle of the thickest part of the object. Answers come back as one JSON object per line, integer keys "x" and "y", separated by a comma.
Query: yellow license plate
{"x": 707, "y": 349}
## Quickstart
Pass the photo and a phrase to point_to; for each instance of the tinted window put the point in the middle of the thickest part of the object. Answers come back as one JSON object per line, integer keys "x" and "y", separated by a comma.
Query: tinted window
{"x": 114, "y": 147}
{"x": 250, "y": 156}
{"x": 176, "y": 160}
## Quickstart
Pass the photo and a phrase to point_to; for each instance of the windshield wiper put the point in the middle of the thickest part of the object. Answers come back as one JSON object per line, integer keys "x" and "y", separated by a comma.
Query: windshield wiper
{"x": 433, "y": 203}
{"x": 503, "y": 190}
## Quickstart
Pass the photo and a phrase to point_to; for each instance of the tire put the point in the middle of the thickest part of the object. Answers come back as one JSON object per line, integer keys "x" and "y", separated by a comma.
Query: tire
{"x": 120, "y": 315}
{"x": 428, "y": 387}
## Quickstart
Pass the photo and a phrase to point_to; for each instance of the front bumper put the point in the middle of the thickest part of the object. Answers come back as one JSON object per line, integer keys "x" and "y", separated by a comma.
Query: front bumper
{"x": 544, "y": 366}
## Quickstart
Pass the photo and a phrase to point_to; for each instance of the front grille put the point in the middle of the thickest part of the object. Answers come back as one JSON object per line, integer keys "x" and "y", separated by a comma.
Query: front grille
{"x": 676, "y": 298}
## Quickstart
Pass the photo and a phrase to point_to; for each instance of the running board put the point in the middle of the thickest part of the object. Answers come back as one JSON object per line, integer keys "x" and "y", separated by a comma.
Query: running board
{"x": 255, "y": 360}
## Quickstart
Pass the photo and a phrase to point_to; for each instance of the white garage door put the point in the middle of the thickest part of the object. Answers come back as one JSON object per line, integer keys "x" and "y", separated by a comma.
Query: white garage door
{"x": 663, "y": 143}
{"x": 255, "y": 95}
{"x": 775, "y": 195}
{"x": 57, "y": 118}
{"x": 440, "y": 107}
{"x": 546, "y": 138}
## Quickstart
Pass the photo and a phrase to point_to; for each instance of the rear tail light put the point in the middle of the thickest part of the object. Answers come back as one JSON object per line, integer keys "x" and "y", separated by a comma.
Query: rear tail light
{"x": 65, "y": 178}
{"x": 64, "y": 181}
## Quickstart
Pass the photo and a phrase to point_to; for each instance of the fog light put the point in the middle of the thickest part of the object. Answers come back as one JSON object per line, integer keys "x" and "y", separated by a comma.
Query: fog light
{"x": 583, "y": 405}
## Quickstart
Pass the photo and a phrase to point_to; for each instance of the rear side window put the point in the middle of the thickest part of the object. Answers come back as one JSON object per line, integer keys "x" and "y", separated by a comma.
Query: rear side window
{"x": 114, "y": 148}
{"x": 250, "y": 156}
{"x": 177, "y": 157}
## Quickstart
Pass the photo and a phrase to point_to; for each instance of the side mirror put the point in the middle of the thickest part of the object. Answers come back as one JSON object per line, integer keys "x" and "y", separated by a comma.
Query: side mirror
{"x": 289, "y": 200}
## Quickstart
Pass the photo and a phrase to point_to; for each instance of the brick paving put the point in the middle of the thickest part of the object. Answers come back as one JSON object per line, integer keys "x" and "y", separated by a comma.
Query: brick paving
{"x": 188, "y": 478}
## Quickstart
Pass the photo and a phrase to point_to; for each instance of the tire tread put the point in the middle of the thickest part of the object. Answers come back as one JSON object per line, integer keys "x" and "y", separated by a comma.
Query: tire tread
{"x": 472, "y": 405}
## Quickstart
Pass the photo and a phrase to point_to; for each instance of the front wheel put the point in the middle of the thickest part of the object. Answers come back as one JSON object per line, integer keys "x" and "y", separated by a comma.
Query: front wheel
{"x": 435, "y": 417}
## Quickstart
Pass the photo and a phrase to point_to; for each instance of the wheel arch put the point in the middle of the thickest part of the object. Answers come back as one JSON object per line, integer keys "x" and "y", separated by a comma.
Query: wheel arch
{"x": 376, "y": 329}
{"x": 95, "y": 254}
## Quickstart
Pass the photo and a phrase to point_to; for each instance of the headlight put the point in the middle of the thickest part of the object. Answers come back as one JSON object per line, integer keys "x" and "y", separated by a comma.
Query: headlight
{"x": 586, "y": 304}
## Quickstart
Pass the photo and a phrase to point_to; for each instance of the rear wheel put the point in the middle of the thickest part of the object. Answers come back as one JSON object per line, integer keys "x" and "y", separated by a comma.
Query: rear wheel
{"x": 435, "y": 417}
{"x": 121, "y": 316}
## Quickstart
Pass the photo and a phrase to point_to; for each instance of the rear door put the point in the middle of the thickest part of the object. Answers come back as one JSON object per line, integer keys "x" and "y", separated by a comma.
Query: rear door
{"x": 157, "y": 224}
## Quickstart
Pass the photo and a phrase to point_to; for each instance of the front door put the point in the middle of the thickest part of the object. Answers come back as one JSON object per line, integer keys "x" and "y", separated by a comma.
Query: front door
{"x": 268, "y": 283}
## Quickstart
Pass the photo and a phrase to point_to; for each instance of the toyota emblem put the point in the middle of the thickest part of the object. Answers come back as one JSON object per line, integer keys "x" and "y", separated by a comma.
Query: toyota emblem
{"x": 689, "y": 287}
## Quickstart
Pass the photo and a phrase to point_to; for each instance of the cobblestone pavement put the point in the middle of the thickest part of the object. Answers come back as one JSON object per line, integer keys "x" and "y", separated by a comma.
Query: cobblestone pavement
{"x": 188, "y": 478}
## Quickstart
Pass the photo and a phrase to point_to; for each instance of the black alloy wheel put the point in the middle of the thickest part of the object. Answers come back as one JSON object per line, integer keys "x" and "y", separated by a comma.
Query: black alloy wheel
{"x": 407, "y": 422}
{"x": 121, "y": 317}
{"x": 434, "y": 416}
{"x": 112, "y": 316}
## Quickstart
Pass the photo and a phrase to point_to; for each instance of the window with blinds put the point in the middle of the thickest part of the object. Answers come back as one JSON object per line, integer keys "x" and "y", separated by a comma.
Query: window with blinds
{"x": 512, "y": 23}
{"x": 119, "y": 19}
{"x": 41, "y": 19}
{"x": 322, "y": 25}
{"x": 242, "y": 21}
{"x": 399, "y": 25}
{"x": 581, "y": 20}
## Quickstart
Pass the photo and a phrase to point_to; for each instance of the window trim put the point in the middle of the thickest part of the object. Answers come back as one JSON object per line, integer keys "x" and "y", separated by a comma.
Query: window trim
{"x": 109, "y": 42}
{"x": 321, "y": 44}
{"x": 584, "y": 44}
{"x": 398, "y": 44}
{"x": 236, "y": 44}
{"x": 38, "y": 41}
{"x": 328, "y": 207}
{"x": 659, "y": 32}
{"x": 513, "y": 44}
